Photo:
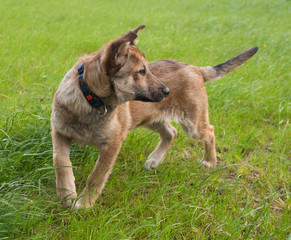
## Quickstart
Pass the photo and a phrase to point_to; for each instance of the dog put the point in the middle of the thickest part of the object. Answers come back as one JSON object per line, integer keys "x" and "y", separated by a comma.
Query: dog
{"x": 108, "y": 93}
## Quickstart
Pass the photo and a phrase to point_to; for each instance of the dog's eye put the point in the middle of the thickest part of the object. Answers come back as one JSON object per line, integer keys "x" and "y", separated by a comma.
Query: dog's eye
{"x": 142, "y": 71}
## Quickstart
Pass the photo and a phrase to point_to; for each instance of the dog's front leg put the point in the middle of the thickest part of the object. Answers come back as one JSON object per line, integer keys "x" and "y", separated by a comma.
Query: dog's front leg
{"x": 97, "y": 179}
{"x": 65, "y": 180}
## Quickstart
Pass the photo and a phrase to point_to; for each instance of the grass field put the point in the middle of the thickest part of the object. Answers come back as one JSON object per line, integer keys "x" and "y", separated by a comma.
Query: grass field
{"x": 247, "y": 197}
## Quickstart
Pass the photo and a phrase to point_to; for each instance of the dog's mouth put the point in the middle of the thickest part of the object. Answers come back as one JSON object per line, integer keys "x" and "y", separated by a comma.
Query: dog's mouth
{"x": 152, "y": 96}
{"x": 143, "y": 99}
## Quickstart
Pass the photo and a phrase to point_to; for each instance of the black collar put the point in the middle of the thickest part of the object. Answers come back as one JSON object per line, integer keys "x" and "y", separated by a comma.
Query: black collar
{"x": 91, "y": 98}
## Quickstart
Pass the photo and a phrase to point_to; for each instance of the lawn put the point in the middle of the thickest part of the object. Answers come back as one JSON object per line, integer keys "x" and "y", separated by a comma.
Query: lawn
{"x": 247, "y": 197}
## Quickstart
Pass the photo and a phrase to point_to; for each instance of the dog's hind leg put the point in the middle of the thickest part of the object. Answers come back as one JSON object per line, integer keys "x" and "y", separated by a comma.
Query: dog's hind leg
{"x": 167, "y": 134}
{"x": 97, "y": 179}
{"x": 65, "y": 181}
{"x": 203, "y": 131}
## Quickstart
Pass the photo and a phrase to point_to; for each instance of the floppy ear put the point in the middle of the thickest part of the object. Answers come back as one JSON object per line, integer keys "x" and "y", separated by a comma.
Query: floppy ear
{"x": 117, "y": 51}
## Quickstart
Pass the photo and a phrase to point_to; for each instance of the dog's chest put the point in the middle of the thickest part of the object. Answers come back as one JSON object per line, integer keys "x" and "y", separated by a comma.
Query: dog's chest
{"x": 91, "y": 130}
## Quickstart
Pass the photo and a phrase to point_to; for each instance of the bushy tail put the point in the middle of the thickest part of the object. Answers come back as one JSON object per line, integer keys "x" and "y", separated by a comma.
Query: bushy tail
{"x": 213, "y": 73}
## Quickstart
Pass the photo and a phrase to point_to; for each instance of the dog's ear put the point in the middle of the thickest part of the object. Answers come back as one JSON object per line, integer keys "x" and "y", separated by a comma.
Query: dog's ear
{"x": 136, "y": 31}
{"x": 117, "y": 51}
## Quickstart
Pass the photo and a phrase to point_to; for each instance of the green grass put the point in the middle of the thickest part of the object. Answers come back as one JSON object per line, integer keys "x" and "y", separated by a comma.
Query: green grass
{"x": 247, "y": 197}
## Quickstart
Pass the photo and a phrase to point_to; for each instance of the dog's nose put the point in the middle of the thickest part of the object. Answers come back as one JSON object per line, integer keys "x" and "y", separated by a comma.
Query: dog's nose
{"x": 166, "y": 91}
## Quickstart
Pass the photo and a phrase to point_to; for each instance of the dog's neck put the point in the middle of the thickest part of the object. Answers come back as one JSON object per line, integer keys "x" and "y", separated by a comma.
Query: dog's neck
{"x": 99, "y": 83}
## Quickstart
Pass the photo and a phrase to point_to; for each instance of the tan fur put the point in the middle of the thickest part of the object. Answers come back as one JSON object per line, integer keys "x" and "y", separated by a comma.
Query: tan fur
{"x": 116, "y": 74}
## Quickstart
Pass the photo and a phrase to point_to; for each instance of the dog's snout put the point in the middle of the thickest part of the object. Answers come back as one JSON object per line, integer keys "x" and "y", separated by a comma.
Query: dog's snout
{"x": 166, "y": 91}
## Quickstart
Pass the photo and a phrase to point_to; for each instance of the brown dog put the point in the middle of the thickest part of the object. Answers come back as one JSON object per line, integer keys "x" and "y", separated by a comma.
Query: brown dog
{"x": 95, "y": 104}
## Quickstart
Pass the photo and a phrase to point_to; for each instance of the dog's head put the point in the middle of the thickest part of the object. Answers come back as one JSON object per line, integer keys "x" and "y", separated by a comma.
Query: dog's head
{"x": 128, "y": 71}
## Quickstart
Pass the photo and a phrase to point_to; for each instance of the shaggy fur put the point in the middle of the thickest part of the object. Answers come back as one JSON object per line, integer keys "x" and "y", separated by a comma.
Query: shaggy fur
{"x": 136, "y": 93}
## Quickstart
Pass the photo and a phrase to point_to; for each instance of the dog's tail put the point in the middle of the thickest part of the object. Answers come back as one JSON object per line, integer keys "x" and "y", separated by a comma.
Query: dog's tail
{"x": 213, "y": 73}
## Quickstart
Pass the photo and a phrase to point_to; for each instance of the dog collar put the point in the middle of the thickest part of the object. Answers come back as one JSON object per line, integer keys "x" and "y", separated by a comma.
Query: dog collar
{"x": 91, "y": 97}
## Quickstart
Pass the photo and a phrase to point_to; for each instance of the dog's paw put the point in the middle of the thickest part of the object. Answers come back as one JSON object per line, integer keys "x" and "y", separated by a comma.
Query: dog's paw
{"x": 147, "y": 165}
{"x": 207, "y": 164}
{"x": 80, "y": 204}
{"x": 76, "y": 205}
{"x": 150, "y": 164}
{"x": 67, "y": 203}
{"x": 67, "y": 197}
